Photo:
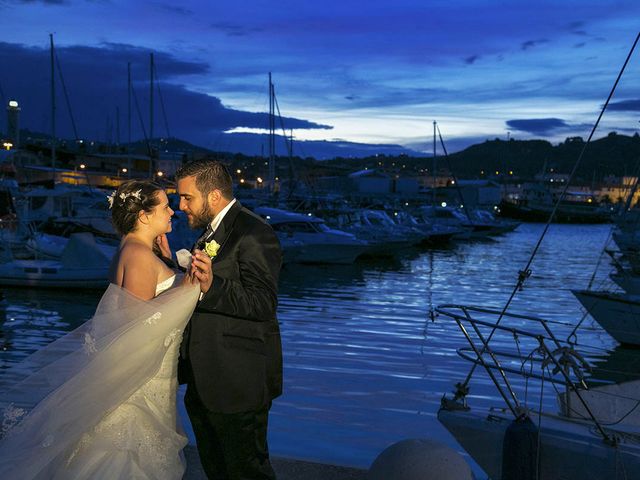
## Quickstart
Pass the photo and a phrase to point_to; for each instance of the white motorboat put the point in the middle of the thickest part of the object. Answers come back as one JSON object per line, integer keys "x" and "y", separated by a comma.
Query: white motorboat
{"x": 307, "y": 239}
{"x": 51, "y": 247}
{"x": 479, "y": 223}
{"x": 383, "y": 235}
{"x": 82, "y": 265}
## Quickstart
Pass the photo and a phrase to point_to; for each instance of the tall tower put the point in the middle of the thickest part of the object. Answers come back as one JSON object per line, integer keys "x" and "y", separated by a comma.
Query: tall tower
{"x": 13, "y": 123}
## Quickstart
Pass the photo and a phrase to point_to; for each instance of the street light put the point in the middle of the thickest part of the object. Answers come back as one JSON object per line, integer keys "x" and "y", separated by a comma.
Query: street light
{"x": 160, "y": 174}
{"x": 82, "y": 166}
{"x": 124, "y": 170}
{"x": 7, "y": 145}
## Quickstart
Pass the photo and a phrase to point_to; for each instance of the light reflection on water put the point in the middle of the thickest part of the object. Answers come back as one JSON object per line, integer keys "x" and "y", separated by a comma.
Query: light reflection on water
{"x": 365, "y": 366}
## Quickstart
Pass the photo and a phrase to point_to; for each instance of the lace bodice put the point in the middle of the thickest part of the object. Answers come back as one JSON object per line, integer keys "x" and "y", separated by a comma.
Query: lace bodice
{"x": 165, "y": 285}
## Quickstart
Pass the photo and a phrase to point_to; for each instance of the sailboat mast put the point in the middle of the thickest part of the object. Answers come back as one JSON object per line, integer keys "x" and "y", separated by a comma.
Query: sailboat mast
{"x": 151, "y": 116}
{"x": 53, "y": 108}
{"x": 433, "y": 168}
{"x": 129, "y": 119}
{"x": 272, "y": 134}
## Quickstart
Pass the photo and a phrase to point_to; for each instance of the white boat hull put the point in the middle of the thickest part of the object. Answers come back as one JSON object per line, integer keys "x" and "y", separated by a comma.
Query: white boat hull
{"x": 569, "y": 450}
{"x": 618, "y": 314}
{"x": 299, "y": 252}
{"x": 51, "y": 274}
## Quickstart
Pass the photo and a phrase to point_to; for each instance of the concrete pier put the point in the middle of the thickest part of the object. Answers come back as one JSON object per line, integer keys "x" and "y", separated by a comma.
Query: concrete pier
{"x": 286, "y": 469}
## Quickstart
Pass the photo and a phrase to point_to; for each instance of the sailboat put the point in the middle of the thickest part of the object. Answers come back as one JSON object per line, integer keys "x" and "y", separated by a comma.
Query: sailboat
{"x": 595, "y": 434}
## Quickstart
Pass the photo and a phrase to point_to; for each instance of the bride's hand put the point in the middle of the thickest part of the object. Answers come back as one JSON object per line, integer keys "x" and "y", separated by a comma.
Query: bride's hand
{"x": 162, "y": 243}
{"x": 202, "y": 270}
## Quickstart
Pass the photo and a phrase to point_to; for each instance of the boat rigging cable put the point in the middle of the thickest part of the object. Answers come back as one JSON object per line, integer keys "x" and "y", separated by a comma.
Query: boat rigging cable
{"x": 524, "y": 274}
{"x": 453, "y": 175}
{"x": 66, "y": 97}
{"x": 164, "y": 112}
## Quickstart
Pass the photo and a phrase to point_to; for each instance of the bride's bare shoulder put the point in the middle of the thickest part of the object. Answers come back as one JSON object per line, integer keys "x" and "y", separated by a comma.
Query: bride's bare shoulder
{"x": 137, "y": 270}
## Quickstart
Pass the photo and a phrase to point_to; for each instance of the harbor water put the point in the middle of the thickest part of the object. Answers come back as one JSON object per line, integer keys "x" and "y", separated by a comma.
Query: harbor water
{"x": 366, "y": 365}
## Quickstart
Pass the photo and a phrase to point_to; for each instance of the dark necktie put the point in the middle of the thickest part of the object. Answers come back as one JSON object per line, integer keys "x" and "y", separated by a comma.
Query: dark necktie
{"x": 205, "y": 237}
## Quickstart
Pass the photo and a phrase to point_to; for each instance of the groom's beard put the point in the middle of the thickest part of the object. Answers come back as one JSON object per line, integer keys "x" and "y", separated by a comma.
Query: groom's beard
{"x": 202, "y": 219}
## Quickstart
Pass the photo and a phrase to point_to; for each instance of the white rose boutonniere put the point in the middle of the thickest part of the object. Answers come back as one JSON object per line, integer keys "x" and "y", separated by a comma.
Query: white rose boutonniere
{"x": 211, "y": 248}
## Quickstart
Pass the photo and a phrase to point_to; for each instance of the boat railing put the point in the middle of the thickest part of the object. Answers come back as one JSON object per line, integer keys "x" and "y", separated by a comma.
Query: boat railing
{"x": 557, "y": 361}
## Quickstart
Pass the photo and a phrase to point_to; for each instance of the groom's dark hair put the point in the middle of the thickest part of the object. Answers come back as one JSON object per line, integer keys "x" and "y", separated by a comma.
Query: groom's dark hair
{"x": 210, "y": 175}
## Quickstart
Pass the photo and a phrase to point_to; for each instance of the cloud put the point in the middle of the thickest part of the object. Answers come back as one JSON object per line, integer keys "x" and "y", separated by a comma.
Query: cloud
{"x": 471, "y": 60}
{"x": 532, "y": 43}
{"x": 177, "y": 10}
{"x": 96, "y": 82}
{"x": 537, "y": 126}
{"x": 625, "y": 106}
{"x": 45, "y": 2}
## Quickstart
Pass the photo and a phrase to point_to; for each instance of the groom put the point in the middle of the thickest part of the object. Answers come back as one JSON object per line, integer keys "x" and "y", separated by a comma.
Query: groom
{"x": 231, "y": 357}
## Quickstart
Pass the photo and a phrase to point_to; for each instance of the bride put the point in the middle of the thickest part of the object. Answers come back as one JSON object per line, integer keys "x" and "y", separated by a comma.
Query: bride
{"x": 100, "y": 402}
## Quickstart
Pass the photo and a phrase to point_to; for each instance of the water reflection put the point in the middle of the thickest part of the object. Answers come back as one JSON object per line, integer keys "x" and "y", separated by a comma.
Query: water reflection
{"x": 32, "y": 318}
{"x": 365, "y": 365}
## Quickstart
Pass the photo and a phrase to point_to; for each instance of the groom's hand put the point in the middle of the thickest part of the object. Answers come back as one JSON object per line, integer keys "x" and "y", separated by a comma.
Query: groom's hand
{"x": 201, "y": 269}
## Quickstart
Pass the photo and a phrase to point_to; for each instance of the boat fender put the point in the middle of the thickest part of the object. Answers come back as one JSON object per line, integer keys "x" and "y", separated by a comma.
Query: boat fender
{"x": 520, "y": 450}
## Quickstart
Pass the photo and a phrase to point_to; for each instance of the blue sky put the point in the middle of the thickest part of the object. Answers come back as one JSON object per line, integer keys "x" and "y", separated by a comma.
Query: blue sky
{"x": 364, "y": 71}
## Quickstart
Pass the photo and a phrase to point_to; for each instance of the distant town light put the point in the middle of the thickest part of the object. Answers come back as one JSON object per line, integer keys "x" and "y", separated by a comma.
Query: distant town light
{"x": 497, "y": 172}
{"x": 124, "y": 170}
{"x": 551, "y": 180}
{"x": 589, "y": 200}
{"x": 83, "y": 166}
{"x": 242, "y": 180}
{"x": 453, "y": 182}
{"x": 443, "y": 204}
{"x": 510, "y": 172}
{"x": 238, "y": 171}
{"x": 160, "y": 174}
{"x": 259, "y": 179}
{"x": 309, "y": 214}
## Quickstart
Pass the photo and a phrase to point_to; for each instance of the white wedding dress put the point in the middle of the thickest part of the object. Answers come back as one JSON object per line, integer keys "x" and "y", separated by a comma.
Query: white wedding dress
{"x": 100, "y": 403}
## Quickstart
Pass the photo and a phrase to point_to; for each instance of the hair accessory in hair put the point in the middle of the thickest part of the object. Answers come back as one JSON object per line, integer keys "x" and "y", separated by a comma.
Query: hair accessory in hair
{"x": 123, "y": 197}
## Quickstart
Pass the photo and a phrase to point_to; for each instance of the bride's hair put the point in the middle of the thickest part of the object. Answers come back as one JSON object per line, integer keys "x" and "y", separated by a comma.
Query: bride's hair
{"x": 127, "y": 201}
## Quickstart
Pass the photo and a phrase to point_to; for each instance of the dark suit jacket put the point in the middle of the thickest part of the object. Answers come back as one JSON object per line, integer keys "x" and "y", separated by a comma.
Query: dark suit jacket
{"x": 231, "y": 351}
